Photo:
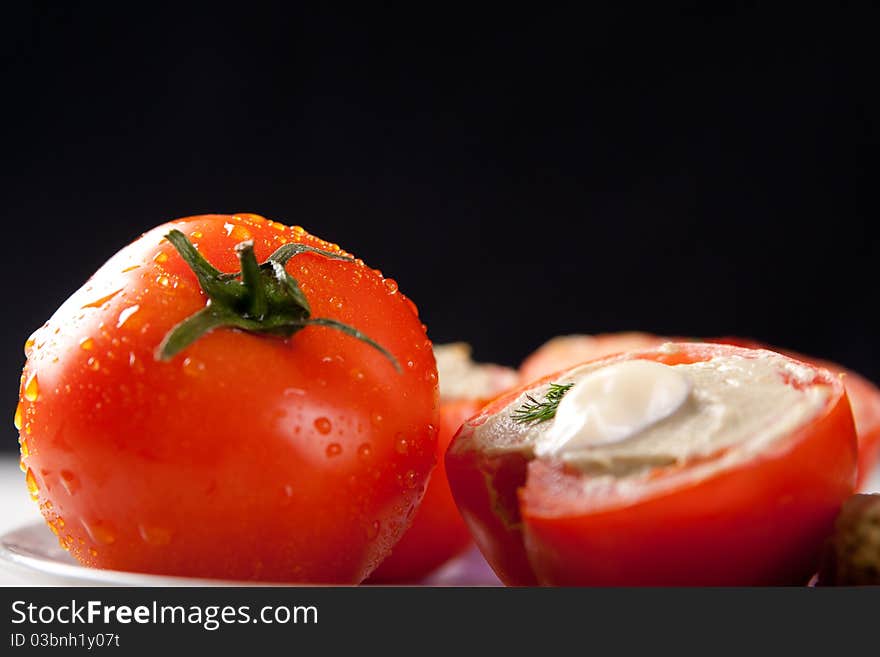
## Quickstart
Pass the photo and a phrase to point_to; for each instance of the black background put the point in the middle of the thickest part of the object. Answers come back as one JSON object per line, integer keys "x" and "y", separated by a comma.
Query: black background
{"x": 521, "y": 173}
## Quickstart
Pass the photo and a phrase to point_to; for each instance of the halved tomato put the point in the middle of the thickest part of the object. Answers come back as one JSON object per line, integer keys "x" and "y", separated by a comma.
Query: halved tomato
{"x": 743, "y": 516}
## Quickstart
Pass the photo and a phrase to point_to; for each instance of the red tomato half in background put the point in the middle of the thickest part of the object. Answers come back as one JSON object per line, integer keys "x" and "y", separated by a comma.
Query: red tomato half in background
{"x": 564, "y": 351}
{"x": 244, "y": 456}
{"x": 438, "y": 533}
{"x": 759, "y": 520}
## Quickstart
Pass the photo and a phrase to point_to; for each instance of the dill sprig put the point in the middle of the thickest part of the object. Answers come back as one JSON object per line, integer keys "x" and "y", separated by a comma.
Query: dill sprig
{"x": 540, "y": 411}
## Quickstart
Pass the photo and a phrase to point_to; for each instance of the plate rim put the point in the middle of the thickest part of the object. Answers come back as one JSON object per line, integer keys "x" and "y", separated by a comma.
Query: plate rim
{"x": 12, "y": 554}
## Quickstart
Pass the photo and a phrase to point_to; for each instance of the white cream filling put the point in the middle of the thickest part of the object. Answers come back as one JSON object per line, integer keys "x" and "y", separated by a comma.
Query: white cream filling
{"x": 462, "y": 378}
{"x": 638, "y": 414}
{"x": 614, "y": 403}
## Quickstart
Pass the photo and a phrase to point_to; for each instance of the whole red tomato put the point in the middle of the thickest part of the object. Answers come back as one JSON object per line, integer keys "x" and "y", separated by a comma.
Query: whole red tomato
{"x": 438, "y": 533}
{"x": 758, "y": 520}
{"x": 256, "y": 436}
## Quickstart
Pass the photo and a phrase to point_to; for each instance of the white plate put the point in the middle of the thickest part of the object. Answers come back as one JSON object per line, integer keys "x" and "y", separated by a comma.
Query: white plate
{"x": 33, "y": 552}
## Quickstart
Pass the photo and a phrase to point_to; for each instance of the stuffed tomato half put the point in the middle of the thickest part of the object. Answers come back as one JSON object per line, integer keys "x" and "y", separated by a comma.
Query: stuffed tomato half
{"x": 687, "y": 464}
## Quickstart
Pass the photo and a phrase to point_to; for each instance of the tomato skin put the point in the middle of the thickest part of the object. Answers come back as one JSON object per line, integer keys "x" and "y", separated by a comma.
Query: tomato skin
{"x": 437, "y": 533}
{"x": 869, "y": 453}
{"x": 245, "y": 456}
{"x": 484, "y": 488}
{"x": 760, "y": 522}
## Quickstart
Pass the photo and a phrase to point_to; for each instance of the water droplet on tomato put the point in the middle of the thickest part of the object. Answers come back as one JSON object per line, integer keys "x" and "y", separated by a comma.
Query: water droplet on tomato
{"x": 135, "y": 363}
{"x": 25, "y": 451}
{"x": 31, "y": 481}
{"x": 125, "y": 314}
{"x": 373, "y": 530}
{"x": 21, "y": 465}
{"x": 16, "y": 419}
{"x": 410, "y": 364}
{"x": 69, "y": 481}
{"x": 240, "y": 233}
{"x": 197, "y": 234}
{"x": 164, "y": 281}
{"x": 160, "y": 257}
{"x": 357, "y": 375}
{"x": 93, "y": 552}
{"x": 409, "y": 479}
{"x": 32, "y": 388}
{"x": 193, "y": 367}
{"x": 87, "y": 343}
{"x": 93, "y": 363}
{"x": 97, "y": 303}
{"x": 365, "y": 451}
{"x": 323, "y": 425}
{"x": 152, "y": 535}
{"x": 99, "y": 532}
{"x": 376, "y": 417}
{"x": 249, "y": 217}
{"x": 53, "y": 527}
{"x": 28, "y": 345}
{"x": 334, "y": 449}
{"x": 401, "y": 444}
{"x": 390, "y": 285}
